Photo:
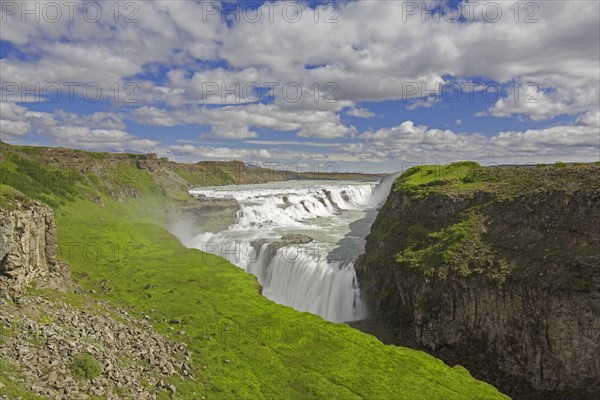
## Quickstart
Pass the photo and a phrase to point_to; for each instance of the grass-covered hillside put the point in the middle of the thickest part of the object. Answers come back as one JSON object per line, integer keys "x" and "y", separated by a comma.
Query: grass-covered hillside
{"x": 109, "y": 211}
{"x": 58, "y": 174}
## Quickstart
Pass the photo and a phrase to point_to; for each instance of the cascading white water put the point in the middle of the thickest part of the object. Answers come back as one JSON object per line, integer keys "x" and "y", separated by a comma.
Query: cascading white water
{"x": 300, "y": 276}
{"x": 287, "y": 206}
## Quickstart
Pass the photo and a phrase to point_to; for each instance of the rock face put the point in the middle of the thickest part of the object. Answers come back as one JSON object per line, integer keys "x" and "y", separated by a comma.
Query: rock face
{"x": 523, "y": 294}
{"x": 29, "y": 249}
{"x": 133, "y": 359}
{"x": 295, "y": 238}
{"x": 202, "y": 214}
{"x": 291, "y": 239}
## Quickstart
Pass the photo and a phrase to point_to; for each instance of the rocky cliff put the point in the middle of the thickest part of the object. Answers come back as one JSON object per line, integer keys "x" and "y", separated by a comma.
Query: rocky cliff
{"x": 202, "y": 214}
{"x": 497, "y": 269}
{"x": 28, "y": 246}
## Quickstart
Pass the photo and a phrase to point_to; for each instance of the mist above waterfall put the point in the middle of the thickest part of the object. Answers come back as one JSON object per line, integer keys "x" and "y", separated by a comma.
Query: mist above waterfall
{"x": 303, "y": 276}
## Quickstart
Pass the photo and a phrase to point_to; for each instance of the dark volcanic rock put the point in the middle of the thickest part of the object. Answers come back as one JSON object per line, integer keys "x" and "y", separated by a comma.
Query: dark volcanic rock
{"x": 518, "y": 300}
{"x": 286, "y": 240}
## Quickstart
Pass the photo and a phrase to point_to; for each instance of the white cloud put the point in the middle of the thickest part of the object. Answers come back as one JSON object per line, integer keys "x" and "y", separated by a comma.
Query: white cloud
{"x": 539, "y": 104}
{"x": 235, "y": 121}
{"x": 423, "y": 144}
{"x": 99, "y": 120}
{"x": 292, "y": 143}
{"x": 231, "y": 131}
{"x": 221, "y": 153}
{"x": 547, "y": 139}
{"x": 424, "y": 103}
{"x": 13, "y": 120}
{"x": 360, "y": 112}
{"x": 372, "y": 53}
{"x": 193, "y": 153}
{"x": 13, "y": 128}
{"x": 96, "y": 131}
{"x": 590, "y": 118}
{"x": 100, "y": 139}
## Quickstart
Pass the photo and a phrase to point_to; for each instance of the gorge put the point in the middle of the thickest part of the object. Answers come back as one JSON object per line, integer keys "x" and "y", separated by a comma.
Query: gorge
{"x": 492, "y": 268}
{"x": 466, "y": 262}
{"x": 152, "y": 318}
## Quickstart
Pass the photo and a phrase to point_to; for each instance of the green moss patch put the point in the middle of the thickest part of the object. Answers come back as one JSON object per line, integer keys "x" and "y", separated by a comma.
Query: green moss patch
{"x": 85, "y": 366}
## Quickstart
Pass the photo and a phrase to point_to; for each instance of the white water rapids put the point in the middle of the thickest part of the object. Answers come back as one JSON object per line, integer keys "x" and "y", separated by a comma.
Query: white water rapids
{"x": 317, "y": 277}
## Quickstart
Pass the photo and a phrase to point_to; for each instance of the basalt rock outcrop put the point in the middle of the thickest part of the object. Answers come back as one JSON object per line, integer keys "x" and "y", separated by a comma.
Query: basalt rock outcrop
{"x": 62, "y": 331}
{"x": 28, "y": 248}
{"x": 503, "y": 267}
{"x": 267, "y": 253}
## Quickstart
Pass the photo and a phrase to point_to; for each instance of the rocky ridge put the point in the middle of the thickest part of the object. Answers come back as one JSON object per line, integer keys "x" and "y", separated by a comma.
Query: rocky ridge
{"x": 290, "y": 239}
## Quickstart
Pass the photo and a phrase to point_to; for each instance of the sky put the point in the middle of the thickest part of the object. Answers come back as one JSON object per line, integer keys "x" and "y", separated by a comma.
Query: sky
{"x": 364, "y": 85}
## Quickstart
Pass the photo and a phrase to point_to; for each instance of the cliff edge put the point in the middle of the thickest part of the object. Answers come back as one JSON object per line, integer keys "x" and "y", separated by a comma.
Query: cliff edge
{"x": 496, "y": 268}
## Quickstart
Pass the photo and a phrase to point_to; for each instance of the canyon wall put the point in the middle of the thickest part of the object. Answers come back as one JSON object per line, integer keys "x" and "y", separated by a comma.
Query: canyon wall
{"x": 505, "y": 266}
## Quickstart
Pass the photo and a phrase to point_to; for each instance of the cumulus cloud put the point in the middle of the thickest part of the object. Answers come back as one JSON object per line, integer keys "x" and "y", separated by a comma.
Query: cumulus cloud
{"x": 360, "y": 112}
{"x": 548, "y": 139}
{"x": 220, "y": 153}
{"x": 408, "y": 142}
{"x": 424, "y": 144}
{"x": 274, "y": 157}
{"x": 13, "y": 120}
{"x": 371, "y": 51}
{"x": 368, "y": 50}
{"x": 129, "y": 39}
{"x": 100, "y": 139}
{"x": 590, "y": 118}
{"x": 293, "y": 143}
{"x": 234, "y": 121}
{"x": 539, "y": 104}
{"x": 231, "y": 131}
{"x": 96, "y": 131}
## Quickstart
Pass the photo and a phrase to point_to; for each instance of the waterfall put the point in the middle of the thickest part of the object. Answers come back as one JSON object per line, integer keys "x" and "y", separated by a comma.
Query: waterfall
{"x": 285, "y": 207}
{"x": 300, "y": 276}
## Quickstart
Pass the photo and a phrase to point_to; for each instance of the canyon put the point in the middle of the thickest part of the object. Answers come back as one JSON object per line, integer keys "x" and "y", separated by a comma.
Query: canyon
{"x": 165, "y": 320}
{"x": 495, "y": 268}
